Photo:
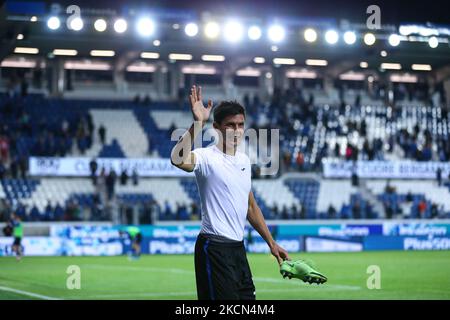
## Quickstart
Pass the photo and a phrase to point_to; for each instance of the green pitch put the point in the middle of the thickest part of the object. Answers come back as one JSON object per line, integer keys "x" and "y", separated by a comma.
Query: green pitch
{"x": 404, "y": 275}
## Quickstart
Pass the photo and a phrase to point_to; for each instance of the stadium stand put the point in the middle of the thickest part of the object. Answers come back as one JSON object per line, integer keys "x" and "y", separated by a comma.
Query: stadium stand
{"x": 310, "y": 133}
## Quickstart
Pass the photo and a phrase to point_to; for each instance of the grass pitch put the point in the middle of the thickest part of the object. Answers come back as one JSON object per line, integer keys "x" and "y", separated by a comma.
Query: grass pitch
{"x": 404, "y": 275}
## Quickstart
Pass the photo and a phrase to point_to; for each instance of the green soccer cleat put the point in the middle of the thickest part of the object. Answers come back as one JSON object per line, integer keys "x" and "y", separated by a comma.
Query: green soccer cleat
{"x": 302, "y": 270}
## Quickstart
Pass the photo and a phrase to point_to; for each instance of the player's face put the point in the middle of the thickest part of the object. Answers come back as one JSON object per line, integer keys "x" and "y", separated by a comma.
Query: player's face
{"x": 232, "y": 130}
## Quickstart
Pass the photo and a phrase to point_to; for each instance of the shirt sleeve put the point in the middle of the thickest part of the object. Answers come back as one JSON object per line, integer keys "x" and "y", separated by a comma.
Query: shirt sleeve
{"x": 201, "y": 165}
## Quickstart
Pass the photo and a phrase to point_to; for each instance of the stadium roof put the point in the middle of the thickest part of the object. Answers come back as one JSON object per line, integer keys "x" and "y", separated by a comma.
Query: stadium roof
{"x": 340, "y": 57}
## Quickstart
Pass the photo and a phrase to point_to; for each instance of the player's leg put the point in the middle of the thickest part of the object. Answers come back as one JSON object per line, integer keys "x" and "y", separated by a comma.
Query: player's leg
{"x": 17, "y": 247}
{"x": 138, "y": 244}
{"x": 215, "y": 276}
{"x": 246, "y": 285}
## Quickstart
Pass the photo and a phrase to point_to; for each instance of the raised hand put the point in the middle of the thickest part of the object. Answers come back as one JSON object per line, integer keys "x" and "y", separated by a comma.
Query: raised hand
{"x": 199, "y": 112}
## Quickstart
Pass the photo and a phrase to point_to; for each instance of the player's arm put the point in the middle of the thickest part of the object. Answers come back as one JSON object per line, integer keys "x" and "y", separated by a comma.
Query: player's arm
{"x": 256, "y": 219}
{"x": 182, "y": 155}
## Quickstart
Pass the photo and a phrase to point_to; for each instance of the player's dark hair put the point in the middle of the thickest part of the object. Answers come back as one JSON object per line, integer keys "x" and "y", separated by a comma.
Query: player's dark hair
{"x": 227, "y": 108}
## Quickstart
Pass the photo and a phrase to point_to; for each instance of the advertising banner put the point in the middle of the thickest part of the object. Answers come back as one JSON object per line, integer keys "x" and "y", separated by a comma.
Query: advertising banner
{"x": 384, "y": 169}
{"x": 79, "y": 167}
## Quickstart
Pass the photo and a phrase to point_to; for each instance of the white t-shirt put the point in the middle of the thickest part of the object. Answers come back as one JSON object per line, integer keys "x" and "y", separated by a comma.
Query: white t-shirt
{"x": 224, "y": 184}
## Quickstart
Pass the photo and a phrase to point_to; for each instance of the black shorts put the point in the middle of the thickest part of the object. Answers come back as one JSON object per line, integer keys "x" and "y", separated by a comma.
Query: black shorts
{"x": 222, "y": 271}
{"x": 17, "y": 241}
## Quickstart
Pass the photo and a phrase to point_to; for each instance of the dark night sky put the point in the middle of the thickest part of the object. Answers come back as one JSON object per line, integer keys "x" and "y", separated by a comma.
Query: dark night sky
{"x": 392, "y": 12}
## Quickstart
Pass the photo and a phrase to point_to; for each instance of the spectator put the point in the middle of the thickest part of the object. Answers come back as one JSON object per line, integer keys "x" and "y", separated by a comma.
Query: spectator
{"x": 388, "y": 209}
{"x": 303, "y": 212}
{"x": 137, "y": 99}
{"x": 439, "y": 176}
{"x": 123, "y": 177}
{"x": 434, "y": 211}
{"x": 295, "y": 213}
{"x": 300, "y": 161}
{"x": 409, "y": 196}
{"x": 147, "y": 101}
{"x": 406, "y": 208}
{"x": 284, "y": 213}
{"x": 4, "y": 148}
{"x": 331, "y": 212}
{"x": 195, "y": 214}
{"x": 422, "y": 207}
{"x": 111, "y": 183}
{"x": 102, "y": 134}
{"x": 135, "y": 177}
{"x": 275, "y": 211}
{"x": 356, "y": 210}
{"x": 93, "y": 166}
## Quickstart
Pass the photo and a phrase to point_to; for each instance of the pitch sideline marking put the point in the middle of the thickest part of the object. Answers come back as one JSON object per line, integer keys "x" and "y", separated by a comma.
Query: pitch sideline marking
{"x": 260, "y": 279}
{"x": 26, "y": 293}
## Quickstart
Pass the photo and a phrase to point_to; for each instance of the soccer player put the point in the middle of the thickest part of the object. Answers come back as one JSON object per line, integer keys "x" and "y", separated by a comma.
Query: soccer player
{"x": 135, "y": 235}
{"x": 223, "y": 177}
{"x": 17, "y": 226}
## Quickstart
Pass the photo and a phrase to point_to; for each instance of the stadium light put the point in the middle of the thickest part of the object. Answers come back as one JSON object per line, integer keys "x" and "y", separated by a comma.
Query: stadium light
{"x": 259, "y": 60}
{"x": 149, "y": 55}
{"x": 316, "y": 62}
{"x": 180, "y": 56}
{"x": 391, "y": 66}
{"x": 408, "y": 78}
{"x": 352, "y": 76}
{"x": 212, "y": 57}
{"x": 287, "y": 61}
{"x": 53, "y": 23}
{"x": 20, "y": 36}
{"x": 102, "y": 53}
{"x": 120, "y": 25}
{"x": 65, "y": 52}
{"x": 7, "y": 63}
{"x": 383, "y": 53}
{"x": 141, "y": 67}
{"x": 212, "y": 30}
{"x": 363, "y": 64}
{"x": 26, "y": 50}
{"x": 421, "y": 67}
{"x": 87, "y": 65}
{"x": 394, "y": 40}
{"x": 100, "y": 25}
{"x": 156, "y": 43}
{"x": 248, "y": 72}
{"x": 233, "y": 31}
{"x": 198, "y": 69}
{"x": 301, "y": 74}
{"x": 433, "y": 42}
{"x": 76, "y": 24}
{"x": 310, "y": 35}
{"x": 331, "y": 36}
{"x": 254, "y": 33}
{"x": 191, "y": 29}
{"x": 145, "y": 27}
{"x": 369, "y": 39}
{"x": 349, "y": 37}
{"x": 276, "y": 33}
{"x": 33, "y": 19}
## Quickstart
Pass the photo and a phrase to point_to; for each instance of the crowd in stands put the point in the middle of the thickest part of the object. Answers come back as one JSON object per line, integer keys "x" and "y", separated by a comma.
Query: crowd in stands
{"x": 296, "y": 115}
{"x": 20, "y": 137}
